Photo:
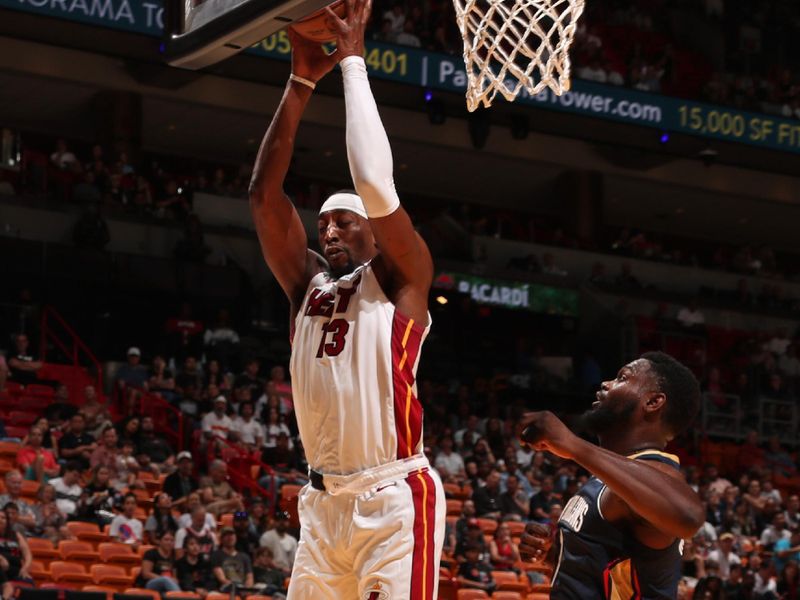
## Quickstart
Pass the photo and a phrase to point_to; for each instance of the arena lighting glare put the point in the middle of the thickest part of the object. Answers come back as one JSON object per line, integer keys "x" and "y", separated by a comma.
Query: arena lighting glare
{"x": 428, "y": 95}
{"x": 441, "y": 300}
{"x": 664, "y": 138}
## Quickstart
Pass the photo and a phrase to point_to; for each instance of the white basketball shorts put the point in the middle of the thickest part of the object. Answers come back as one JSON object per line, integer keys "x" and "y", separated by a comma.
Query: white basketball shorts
{"x": 375, "y": 535}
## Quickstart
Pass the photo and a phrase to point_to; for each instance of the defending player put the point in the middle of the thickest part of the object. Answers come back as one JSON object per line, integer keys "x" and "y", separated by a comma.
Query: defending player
{"x": 372, "y": 518}
{"x": 620, "y": 536}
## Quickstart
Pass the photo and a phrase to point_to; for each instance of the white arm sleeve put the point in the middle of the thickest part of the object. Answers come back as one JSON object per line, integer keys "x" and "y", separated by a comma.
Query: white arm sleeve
{"x": 368, "y": 150}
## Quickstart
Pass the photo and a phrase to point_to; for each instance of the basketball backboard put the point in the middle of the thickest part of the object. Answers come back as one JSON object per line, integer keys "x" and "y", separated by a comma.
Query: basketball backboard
{"x": 203, "y": 32}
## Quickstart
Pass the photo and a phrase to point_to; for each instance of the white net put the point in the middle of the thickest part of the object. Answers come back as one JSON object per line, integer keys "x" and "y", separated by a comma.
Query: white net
{"x": 511, "y": 45}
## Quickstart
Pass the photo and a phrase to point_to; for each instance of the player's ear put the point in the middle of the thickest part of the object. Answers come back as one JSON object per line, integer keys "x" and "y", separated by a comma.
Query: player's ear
{"x": 655, "y": 402}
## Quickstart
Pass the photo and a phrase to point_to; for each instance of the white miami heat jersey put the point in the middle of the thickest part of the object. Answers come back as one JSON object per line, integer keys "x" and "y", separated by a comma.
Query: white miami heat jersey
{"x": 354, "y": 363}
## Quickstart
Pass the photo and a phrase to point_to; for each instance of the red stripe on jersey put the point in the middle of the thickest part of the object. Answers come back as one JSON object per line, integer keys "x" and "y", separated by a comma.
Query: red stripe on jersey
{"x": 423, "y": 574}
{"x": 406, "y": 342}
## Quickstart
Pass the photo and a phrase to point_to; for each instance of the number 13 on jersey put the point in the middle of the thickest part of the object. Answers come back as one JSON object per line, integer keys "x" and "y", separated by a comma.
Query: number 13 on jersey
{"x": 333, "y": 338}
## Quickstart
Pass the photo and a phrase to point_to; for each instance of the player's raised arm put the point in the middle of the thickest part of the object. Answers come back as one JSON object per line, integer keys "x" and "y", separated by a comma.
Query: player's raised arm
{"x": 280, "y": 230}
{"x": 370, "y": 157}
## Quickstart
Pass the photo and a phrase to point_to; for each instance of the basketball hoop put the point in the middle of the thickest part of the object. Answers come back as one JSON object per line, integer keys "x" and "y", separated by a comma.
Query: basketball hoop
{"x": 511, "y": 45}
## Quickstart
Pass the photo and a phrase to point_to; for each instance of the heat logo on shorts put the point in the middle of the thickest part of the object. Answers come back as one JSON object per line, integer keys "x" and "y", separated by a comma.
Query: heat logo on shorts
{"x": 376, "y": 592}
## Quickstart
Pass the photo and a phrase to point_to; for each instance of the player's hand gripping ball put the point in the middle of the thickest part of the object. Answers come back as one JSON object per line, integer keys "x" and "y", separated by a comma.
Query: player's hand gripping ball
{"x": 315, "y": 27}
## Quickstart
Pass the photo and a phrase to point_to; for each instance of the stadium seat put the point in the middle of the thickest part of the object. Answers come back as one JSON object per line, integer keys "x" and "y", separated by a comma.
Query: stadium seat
{"x": 43, "y": 550}
{"x": 190, "y": 596}
{"x": 540, "y": 588}
{"x": 89, "y": 532}
{"x": 448, "y": 587}
{"x": 113, "y": 576}
{"x": 69, "y": 572}
{"x": 515, "y": 528}
{"x": 78, "y": 551}
{"x": 471, "y": 595}
{"x": 35, "y": 389}
{"x": 454, "y": 507}
{"x": 219, "y": 596}
{"x": 118, "y": 554}
{"x": 143, "y": 592}
{"x": 537, "y": 596}
{"x": 508, "y": 581}
{"x": 39, "y": 572}
{"x": 505, "y": 595}
{"x": 488, "y": 526}
{"x": 22, "y": 418}
{"x": 9, "y": 449}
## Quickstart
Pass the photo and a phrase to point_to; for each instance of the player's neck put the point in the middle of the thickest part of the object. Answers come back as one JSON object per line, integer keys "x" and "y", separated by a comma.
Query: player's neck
{"x": 630, "y": 442}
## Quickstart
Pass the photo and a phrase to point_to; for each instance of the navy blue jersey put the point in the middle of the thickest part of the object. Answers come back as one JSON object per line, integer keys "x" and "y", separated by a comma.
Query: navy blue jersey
{"x": 600, "y": 561}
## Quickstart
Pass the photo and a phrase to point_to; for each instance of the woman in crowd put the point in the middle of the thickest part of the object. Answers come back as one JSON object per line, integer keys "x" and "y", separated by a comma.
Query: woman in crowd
{"x": 160, "y": 520}
{"x": 15, "y": 557}
{"x": 49, "y": 441}
{"x": 158, "y": 566}
{"x": 789, "y": 582}
{"x": 274, "y": 425}
{"x": 193, "y": 569}
{"x": 502, "y": 550}
{"x": 100, "y": 497}
{"x": 50, "y": 521}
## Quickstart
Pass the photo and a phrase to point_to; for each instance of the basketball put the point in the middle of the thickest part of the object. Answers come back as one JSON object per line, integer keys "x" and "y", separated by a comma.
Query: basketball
{"x": 315, "y": 27}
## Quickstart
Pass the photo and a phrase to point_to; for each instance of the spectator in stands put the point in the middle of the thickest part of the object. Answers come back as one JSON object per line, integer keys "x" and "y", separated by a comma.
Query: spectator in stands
{"x": 789, "y": 582}
{"x": 128, "y": 430}
{"x": 473, "y": 573}
{"x": 200, "y": 529}
{"x": 282, "y": 545}
{"x": 231, "y": 567}
{"x": 251, "y": 432}
{"x": 487, "y": 498}
{"x": 265, "y": 573}
{"x": 766, "y": 587}
{"x": 277, "y": 378}
{"x": 503, "y": 551}
{"x": 543, "y": 500}
{"x": 462, "y": 524}
{"x": 69, "y": 492}
{"x": 106, "y": 453}
{"x": 132, "y": 373}
{"x": 159, "y": 453}
{"x": 274, "y": 427}
{"x": 90, "y": 230}
{"x": 97, "y": 416}
{"x": 13, "y": 480}
{"x": 181, "y": 483}
{"x": 221, "y": 341}
{"x": 63, "y": 159}
{"x": 22, "y": 366}
{"x": 715, "y": 481}
{"x": 724, "y": 556}
{"x": 514, "y": 502}
{"x": 465, "y": 438}
{"x": 37, "y": 462}
{"x": 193, "y": 569}
{"x": 691, "y": 317}
{"x": 158, "y": 566}
{"x": 100, "y": 496}
{"x": 193, "y": 501}
{"x": 792, "y": 512}
{"x": 50, "y": 520}
{"x": 407, "y": 37}
{"x": 775, "y": 531}
{"x": 249, "y": 377}
{"x": 449, "y": 464}
{"x": 217, "y": 424}
{"x": 626, "y": 280}
{"x": 76, "y": 444}
{"x": 216, "y": 493}
{"x": 49, "y": 440}
{"x": 787, "y": 548}
{"x": 15, "y": 554}
{"x": 161, "y": 380}
{"x": 125, "y": 527}
{"x": 160, "y": 520}
{"x": 549, "y": 266}
{"x": 246, "y": 539}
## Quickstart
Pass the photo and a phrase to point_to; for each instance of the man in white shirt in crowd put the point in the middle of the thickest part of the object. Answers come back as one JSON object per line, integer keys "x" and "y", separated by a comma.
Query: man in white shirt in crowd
{"x": 691, "y": 316}
{"x": 200, "y": 529}
{"x": 724, "y": 556}
{"x": 251, "y": 432}
{"x": 282, "y": 545}
{"x": 217, "y": 423}
{"x": 126, "y": 528}
{"x": 68, "y": 489}
{"x": 449, "y": 464}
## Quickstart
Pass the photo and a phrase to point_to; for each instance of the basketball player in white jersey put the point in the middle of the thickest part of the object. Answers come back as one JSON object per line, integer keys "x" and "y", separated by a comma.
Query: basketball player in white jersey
{"x": 372, "y": 518}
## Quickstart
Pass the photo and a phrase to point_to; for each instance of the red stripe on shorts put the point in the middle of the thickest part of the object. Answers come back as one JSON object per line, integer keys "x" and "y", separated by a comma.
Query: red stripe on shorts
{"x": 423, "y": 573}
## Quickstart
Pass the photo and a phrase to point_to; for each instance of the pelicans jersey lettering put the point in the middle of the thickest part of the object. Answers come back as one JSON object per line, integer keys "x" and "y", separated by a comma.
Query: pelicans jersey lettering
{"x": 598, "y": 561}
{"x": 376, "y": 529}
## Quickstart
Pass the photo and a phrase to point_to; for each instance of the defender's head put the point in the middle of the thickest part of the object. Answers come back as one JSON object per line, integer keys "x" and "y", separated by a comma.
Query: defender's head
{"x": 345, "y": 235}
{"x": 656, "y": 390}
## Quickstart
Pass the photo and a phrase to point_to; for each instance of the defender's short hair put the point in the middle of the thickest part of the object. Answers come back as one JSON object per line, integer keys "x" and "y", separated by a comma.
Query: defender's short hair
{"x": 681, "y": 388}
